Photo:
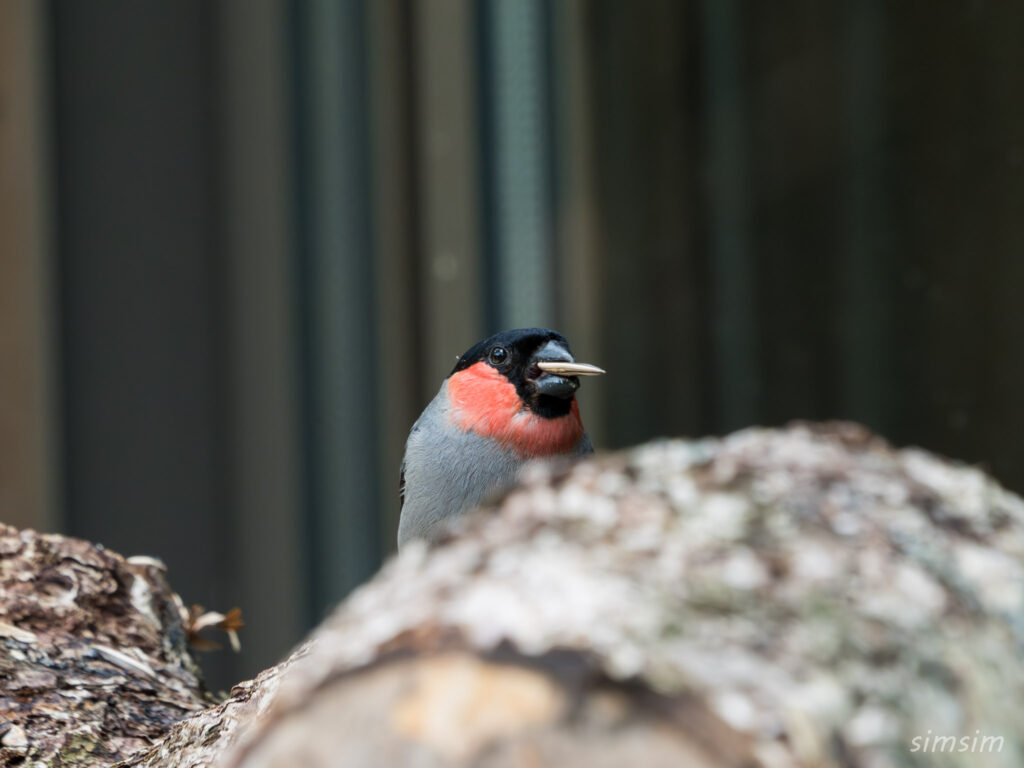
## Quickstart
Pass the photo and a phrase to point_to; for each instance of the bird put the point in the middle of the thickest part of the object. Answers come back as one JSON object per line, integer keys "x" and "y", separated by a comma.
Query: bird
{"x": 509, "y": 399}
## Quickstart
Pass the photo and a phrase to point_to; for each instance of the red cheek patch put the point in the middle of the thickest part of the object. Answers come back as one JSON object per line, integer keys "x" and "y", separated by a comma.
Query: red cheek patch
{"x": 485, "y": 402}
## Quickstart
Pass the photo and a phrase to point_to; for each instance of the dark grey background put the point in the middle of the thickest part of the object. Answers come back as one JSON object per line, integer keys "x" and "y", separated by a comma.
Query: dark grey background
{"x": 277, "y": 223}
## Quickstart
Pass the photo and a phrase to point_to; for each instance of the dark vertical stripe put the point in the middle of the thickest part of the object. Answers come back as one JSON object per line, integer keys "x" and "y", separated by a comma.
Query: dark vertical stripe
{"x": 487, "y": 172}
{"x": 141, "y": 285}
{"x": 649, "y": 315}
{"x": 574, "y": 171}
{"x": 338, "y": 298}
{"x": 732, "y": 273}
{"x": 399, "y": 358}
{"x": 864, "y": 275}
{"x": 259, "y": 307}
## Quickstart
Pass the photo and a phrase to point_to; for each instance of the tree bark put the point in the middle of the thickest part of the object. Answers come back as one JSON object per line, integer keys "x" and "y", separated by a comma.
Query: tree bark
{"x": 797, "y": 597}
{"x": 94, "y": 664}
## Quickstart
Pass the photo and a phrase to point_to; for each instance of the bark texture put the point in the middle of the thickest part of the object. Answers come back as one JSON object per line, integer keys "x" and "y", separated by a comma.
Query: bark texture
{"x": 802, "y": 597}
{"x": 799, "y": 597}
{"x": 94, "y": 663}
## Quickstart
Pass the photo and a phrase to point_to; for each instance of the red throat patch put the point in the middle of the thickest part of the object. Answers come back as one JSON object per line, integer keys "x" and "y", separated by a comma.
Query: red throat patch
{"x": 485, "y": 402}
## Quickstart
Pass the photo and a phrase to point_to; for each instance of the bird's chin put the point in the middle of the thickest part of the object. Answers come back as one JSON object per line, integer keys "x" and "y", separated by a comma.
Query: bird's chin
{"x": 550, "y": 407}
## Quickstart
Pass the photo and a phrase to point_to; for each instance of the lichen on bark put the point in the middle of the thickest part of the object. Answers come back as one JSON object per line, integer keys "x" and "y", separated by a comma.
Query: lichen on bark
{"x": 808, "y": 596}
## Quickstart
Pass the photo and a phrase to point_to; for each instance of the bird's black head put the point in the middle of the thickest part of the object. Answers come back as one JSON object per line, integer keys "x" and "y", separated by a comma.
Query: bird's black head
{"x": 517, "y": 355}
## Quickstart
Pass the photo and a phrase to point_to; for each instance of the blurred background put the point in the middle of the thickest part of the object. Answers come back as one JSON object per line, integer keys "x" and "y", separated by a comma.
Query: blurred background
{"x": 242, "y": 241}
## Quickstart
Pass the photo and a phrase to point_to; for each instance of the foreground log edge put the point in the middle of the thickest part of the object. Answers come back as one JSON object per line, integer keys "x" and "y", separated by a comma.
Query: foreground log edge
{"x": 806, "y": 596}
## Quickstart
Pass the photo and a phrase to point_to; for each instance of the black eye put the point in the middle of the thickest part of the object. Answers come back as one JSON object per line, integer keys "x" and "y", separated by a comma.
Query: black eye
{"x": 498, "y": 355}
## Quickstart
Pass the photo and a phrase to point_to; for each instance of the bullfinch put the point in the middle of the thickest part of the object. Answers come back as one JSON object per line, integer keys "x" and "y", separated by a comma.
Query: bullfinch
{"x": 509, "y": 399}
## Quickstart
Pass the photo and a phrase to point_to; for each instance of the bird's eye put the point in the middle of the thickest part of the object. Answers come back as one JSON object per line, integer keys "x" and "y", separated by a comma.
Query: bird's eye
{"x": 498, "y": 355}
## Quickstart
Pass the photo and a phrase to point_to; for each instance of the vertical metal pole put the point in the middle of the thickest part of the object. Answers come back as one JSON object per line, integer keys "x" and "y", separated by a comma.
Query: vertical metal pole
{"x": 337, "y": 253}
{"x": 522, "y": 217}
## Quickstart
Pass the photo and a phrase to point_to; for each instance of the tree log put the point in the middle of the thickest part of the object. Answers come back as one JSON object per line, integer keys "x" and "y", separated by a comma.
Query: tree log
{"x": 798, "y": 597}
{"x": 94, "y": 664}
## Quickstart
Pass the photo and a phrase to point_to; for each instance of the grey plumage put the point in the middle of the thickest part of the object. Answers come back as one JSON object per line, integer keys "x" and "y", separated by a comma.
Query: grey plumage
{"x": 447, "y": 471}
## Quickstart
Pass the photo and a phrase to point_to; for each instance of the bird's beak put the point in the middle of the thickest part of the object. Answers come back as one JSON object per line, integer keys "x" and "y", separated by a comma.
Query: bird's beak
{"x": 558, "y": 372}
{"x": 563, "y": 368}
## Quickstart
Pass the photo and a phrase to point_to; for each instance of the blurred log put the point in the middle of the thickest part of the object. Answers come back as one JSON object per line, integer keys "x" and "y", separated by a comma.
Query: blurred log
{"x": 94, "y": 663}
{"x": 800, "y": 597}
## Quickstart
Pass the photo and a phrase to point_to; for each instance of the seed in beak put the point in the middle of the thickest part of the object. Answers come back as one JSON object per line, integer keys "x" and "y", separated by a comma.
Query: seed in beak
{"x": 561, "y": 368}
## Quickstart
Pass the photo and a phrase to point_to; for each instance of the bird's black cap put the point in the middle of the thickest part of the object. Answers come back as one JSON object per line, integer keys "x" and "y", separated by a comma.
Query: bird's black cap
{"x": 521, "y": 343}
